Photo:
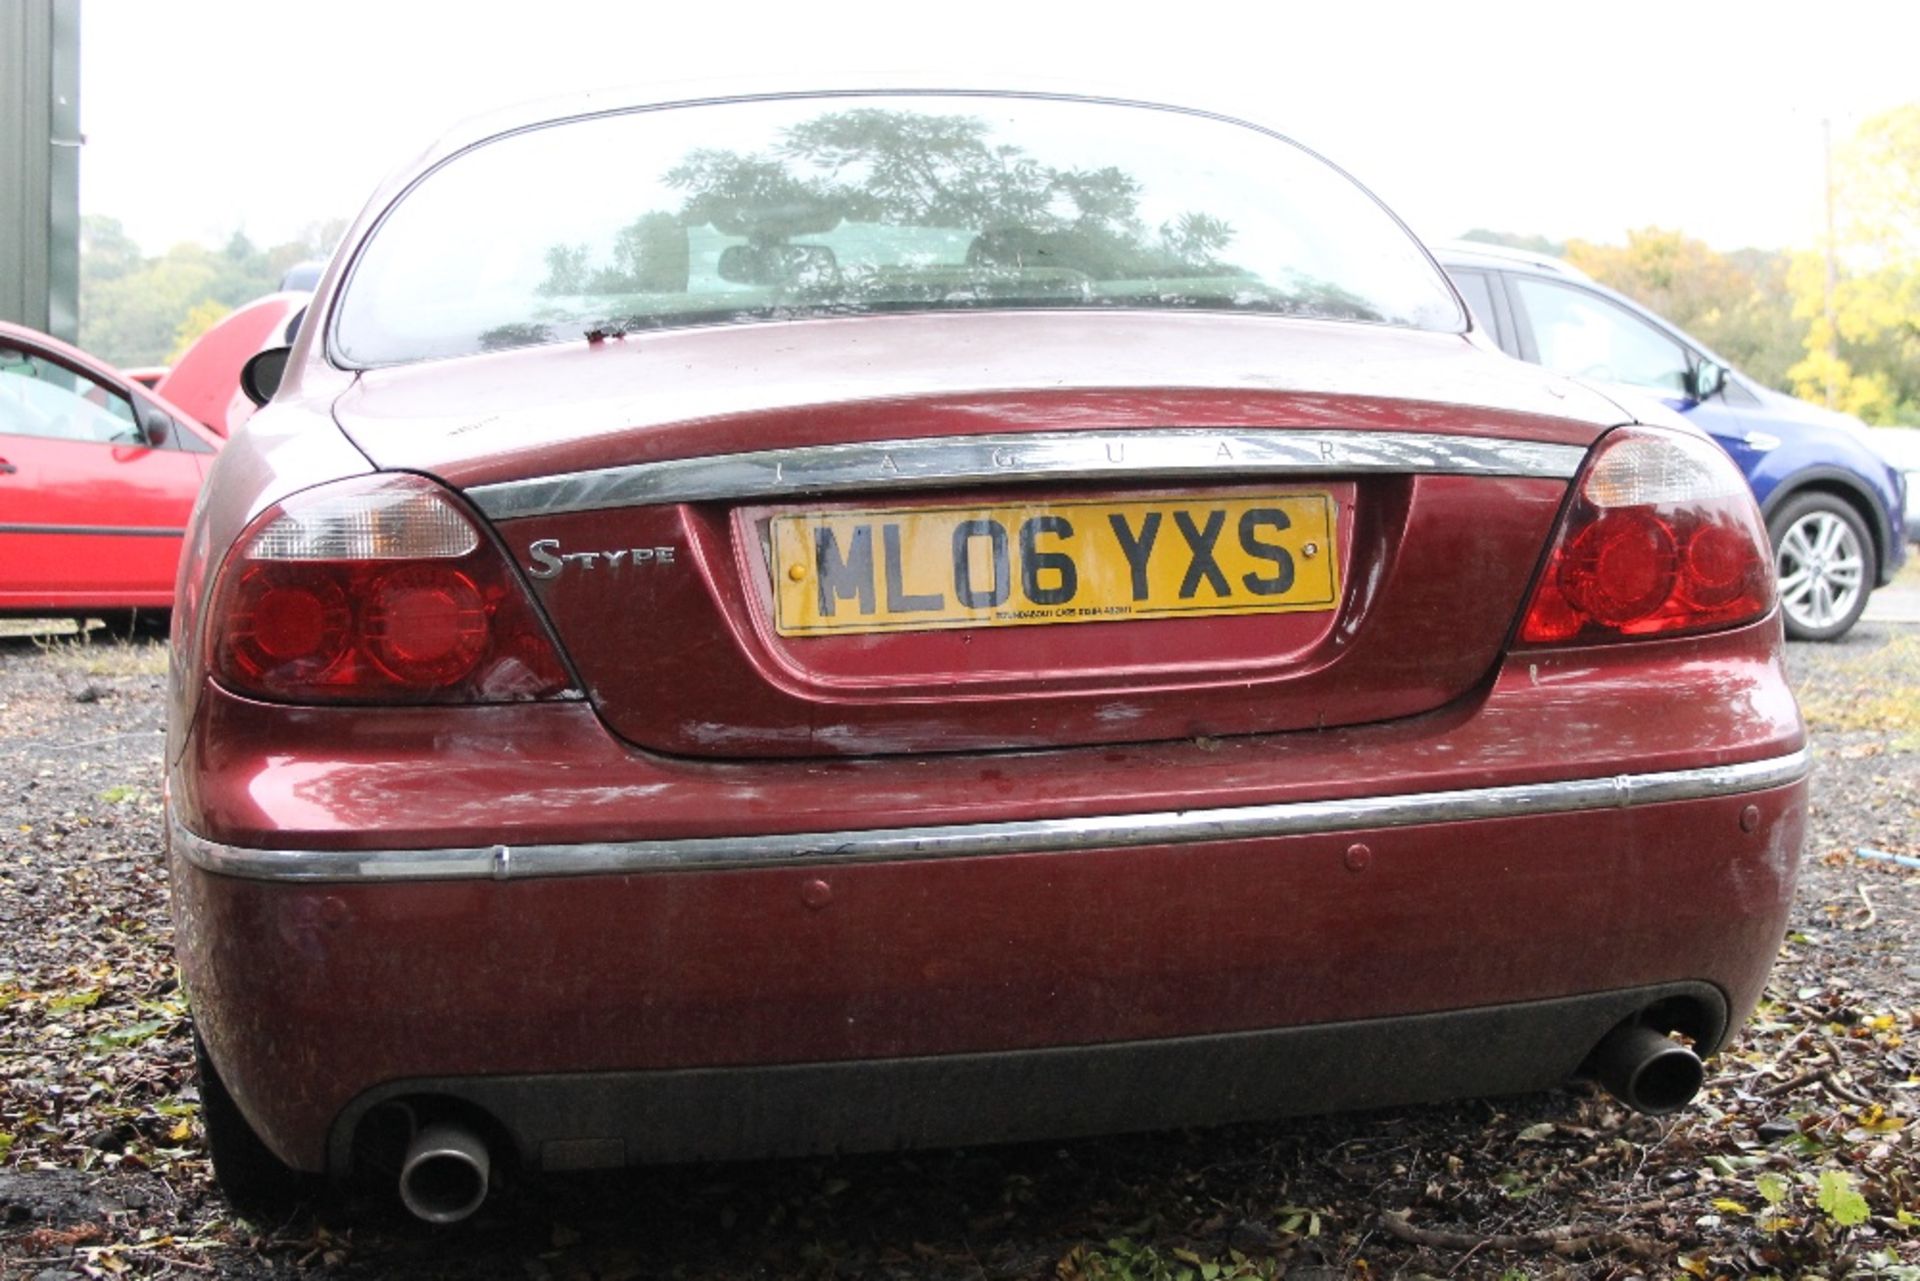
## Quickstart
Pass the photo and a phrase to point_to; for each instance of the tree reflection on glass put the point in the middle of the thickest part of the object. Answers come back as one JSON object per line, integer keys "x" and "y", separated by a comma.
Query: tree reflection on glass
{"x": 875, "y": 209}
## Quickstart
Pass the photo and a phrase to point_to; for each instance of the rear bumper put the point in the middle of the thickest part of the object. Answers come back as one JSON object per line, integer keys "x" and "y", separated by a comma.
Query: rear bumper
{"x": 369, "y": 900}
{"x": 589, "y": 1121}
{"x": 588, "y": 1006}
{"x": 503, "y": 862}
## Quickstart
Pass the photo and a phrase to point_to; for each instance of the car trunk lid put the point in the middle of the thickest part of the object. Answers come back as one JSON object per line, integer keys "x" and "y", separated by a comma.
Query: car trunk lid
{"x": 977, "y": 532}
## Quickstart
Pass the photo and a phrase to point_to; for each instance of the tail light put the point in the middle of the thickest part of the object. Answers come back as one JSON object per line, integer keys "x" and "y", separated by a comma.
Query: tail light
{"x": 1662, "y": 536}
{"x": 376, "y": 589}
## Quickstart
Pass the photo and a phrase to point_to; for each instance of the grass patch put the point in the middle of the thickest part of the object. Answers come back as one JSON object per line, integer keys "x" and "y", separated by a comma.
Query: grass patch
{"x": 1878, "y": 690}
{"x": 96, "y": 654}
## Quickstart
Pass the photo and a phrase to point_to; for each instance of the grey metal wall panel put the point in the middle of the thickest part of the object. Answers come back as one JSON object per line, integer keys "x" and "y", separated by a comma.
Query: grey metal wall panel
{"x": 39, "y": 164}
{"x": 63, "y": 174}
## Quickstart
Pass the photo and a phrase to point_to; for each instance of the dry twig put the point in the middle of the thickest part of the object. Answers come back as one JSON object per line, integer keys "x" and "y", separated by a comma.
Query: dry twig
{"x": 1792, "y": 1083}
{"x": 1844, "y": 1092}
{"x": 1865, "y": 922}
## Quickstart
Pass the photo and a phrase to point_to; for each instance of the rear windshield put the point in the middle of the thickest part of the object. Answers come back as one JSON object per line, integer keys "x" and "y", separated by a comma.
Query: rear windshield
{"x": 747, "y": 211}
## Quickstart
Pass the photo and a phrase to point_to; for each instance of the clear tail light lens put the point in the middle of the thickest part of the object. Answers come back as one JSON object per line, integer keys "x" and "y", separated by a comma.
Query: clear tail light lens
{"x": 1662, "y": 536}
{"x": 378, "y": 589}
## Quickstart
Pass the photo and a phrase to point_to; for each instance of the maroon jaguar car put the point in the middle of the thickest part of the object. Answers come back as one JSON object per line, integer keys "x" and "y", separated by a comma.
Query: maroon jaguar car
{"x": 797, "y": 623}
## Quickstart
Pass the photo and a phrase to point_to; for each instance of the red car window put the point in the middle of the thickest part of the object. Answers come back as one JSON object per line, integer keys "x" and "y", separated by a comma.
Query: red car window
{"x": 40, "y": 398}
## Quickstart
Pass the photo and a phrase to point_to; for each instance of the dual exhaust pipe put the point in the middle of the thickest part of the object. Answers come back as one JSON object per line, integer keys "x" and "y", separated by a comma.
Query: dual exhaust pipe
{"x": 445, "y": 1174}
{"x": 1647, "y": 1071}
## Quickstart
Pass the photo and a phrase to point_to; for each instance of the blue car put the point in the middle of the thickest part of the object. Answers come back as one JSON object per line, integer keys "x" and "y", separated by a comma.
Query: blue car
{"x": 1834, "y": 506}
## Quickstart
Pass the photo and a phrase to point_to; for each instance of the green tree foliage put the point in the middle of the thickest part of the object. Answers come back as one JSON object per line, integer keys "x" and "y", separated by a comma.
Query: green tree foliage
{"x": 1761, "y": 327}
{"x": 1738, "y": 303}
{"x": 1865, "y": 358}
{"x": 202, "y": 317}
{"x": 109, "y": 252}
{"x": 137, "y": 310}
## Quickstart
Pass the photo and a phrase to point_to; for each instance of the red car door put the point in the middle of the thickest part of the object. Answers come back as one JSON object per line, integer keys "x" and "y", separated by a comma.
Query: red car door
{"x": 93, "y": 501}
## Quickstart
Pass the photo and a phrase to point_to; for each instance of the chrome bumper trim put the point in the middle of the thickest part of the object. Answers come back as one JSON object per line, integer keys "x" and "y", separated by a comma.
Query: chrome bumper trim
{"x": 1029, "y": 836}
{"x": 889, "y": 465}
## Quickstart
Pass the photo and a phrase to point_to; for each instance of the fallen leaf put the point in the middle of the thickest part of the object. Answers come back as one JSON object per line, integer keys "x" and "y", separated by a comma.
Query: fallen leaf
{"x": 1840, "y": 1200}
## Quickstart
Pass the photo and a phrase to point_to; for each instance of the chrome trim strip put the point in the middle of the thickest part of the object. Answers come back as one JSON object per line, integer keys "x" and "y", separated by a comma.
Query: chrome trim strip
{"x": 115, "y": 531}
{"x": 1029, "y": 836}
{"x": 887, "y": 465}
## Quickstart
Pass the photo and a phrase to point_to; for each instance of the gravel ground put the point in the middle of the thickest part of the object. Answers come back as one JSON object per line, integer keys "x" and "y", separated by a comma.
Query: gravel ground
{"x": 1797, "y": 1161}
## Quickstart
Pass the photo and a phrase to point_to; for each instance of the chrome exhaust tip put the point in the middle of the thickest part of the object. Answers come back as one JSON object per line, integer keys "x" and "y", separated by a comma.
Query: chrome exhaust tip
{"x": 1647, "y": 1071}
{"x": 444, "y": 1176}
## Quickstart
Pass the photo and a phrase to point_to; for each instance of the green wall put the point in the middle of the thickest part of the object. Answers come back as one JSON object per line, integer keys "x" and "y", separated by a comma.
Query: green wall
{"x": 40, "y": 164}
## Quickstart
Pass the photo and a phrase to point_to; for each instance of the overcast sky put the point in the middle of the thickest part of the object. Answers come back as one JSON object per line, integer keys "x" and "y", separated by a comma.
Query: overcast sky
{"x": 207, "y": 116}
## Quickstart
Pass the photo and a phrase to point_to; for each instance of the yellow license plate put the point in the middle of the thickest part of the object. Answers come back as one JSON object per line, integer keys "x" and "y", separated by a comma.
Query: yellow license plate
{"x": 926, "y": 568}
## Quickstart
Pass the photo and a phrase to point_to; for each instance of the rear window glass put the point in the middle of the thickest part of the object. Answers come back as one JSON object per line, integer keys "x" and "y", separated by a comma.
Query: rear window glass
{"x": 757, "y": 210}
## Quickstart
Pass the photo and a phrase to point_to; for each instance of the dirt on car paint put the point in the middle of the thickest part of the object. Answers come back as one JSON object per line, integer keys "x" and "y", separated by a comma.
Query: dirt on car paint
{"x": 1799, "y": 1158}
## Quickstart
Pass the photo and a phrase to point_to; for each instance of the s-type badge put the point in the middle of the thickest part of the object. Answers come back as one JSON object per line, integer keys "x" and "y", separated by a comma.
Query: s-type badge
{"x": 549, "y": 561}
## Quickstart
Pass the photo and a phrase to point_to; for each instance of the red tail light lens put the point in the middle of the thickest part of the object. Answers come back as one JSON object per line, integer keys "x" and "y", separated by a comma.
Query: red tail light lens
{"x": 377, "y": 589}
{"x": 426, "y": 624}
{"x": 292, "y": 625}
{"x": 1662, "y": 536}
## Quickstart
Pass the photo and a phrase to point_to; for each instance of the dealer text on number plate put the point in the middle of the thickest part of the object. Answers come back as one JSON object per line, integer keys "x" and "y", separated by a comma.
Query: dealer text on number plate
{"x": 924, "y": 568}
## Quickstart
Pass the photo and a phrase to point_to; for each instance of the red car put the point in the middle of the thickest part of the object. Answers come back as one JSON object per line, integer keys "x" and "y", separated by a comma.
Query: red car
{"x": 205, "y": 381}
{"x": 917, "y": 618}
{"x": 97, "y": 477}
